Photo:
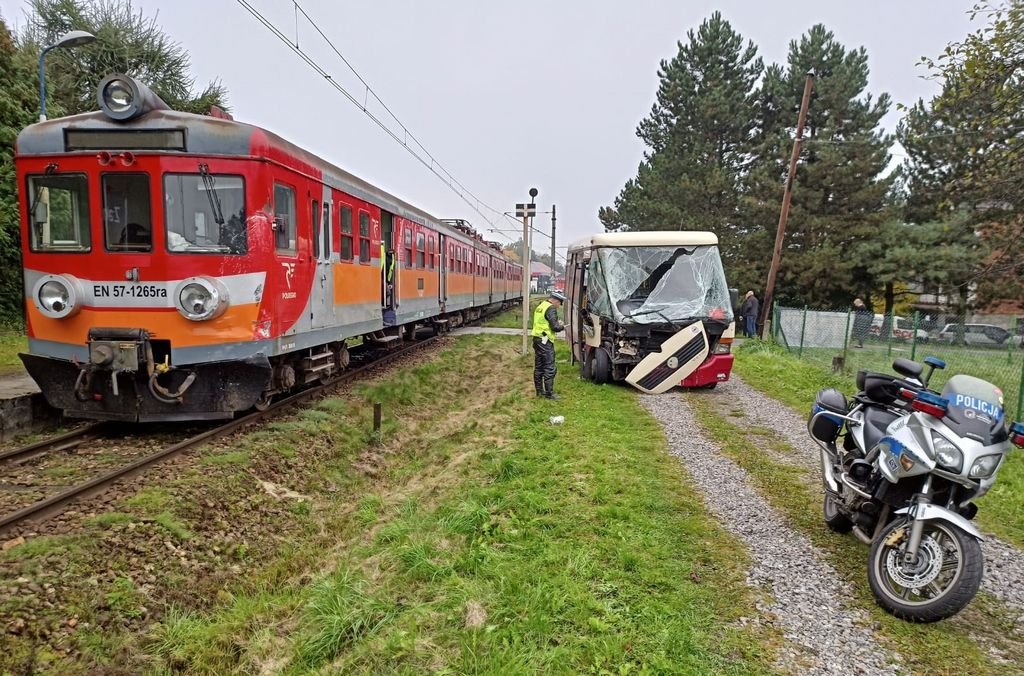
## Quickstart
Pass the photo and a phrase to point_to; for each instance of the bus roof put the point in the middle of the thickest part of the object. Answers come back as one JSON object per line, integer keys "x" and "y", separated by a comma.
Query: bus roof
{"x": 647, "y": 238}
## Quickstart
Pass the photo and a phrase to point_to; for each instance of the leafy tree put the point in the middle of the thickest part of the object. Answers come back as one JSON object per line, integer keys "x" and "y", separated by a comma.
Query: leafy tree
{"x": 127, "y": 42}
{"x": 966, "y": 145}
{"x": 840, "y": 197}
{"x": 698, "y": 138}
{"x": 17, "y": 109}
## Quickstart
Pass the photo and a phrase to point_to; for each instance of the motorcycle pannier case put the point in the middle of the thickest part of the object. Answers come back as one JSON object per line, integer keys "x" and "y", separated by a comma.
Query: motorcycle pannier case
{"x": 826, "y": 428}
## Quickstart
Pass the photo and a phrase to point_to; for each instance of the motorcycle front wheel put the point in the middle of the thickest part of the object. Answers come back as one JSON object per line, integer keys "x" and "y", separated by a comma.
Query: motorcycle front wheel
{"x": 942, "y": 581}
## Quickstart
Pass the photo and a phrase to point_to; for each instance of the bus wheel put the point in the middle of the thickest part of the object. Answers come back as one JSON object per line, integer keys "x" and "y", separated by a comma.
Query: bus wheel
{"x": 585, "y": 365}
{"x": 601, "y": 368}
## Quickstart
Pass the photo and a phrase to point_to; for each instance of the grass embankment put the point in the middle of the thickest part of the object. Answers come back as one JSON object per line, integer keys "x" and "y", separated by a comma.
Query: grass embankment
{"x": 980, "y": 640}
{"x": 472, "y": 536}
{"x": 795, "y": 382}
{"x": 10, "y": 345}
{"x": 512, "y": 318}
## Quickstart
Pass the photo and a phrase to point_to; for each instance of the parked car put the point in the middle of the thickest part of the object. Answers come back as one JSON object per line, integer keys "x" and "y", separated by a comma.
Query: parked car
{"x": 903, "y": 329}
{"x": 981, "y": 335}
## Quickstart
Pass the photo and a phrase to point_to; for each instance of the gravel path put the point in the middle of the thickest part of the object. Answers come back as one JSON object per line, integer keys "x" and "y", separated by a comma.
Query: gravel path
{"x": 1004, "y": 563}
{"x": 826, "y": 635}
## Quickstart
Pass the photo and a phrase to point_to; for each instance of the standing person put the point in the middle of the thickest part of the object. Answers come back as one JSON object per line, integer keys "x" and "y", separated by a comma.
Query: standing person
{"x": 750, "y": 309}
{"x": 861, "y": 321}
{"x": 545, "y": 326}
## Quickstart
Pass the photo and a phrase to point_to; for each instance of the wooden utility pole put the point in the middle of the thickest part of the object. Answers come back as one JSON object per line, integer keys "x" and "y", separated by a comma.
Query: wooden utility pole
{"x": 787, "y": 196}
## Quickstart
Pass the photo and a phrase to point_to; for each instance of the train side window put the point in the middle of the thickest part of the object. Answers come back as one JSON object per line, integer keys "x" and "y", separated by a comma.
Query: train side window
{"x": 408, "y": 246}
{"x": 346, "y": 233}
{"x": 127, "y": 217}
{"x": 451, "y": 258}
{"x": 315, "y": 217}
{"x": 420, "y": 251}
{"x": 284, "y": 218}
{"x": 431, "y": 261}
{"x": 364, "y": 237}
{"x": 60, "y": 213}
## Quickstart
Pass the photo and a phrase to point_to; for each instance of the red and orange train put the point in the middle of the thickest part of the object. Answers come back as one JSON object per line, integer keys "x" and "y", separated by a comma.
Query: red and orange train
{"x": 182, "y": 266}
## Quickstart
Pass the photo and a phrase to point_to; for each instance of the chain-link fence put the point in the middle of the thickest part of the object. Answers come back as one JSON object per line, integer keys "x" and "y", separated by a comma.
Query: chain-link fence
{"x": 986, "y": 346}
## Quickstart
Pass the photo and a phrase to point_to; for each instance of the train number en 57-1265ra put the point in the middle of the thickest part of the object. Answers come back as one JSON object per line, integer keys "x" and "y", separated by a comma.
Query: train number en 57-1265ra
{"x": 129, "y": 291}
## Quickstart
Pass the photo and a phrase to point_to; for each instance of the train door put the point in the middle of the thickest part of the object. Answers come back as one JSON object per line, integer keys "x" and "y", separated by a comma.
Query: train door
{"x": 442, "y": 285}
{"x": 388, "y": 263}
{"x": 322, "y": 303}
{"x": 490, "y": 279}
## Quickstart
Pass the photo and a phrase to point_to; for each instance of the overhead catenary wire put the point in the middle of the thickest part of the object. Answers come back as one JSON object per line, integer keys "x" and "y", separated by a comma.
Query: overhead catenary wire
{"x": 427, "y": 159}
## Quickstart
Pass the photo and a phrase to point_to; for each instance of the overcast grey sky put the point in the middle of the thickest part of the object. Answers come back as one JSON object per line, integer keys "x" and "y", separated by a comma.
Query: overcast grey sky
{"x": 510, "y": 94}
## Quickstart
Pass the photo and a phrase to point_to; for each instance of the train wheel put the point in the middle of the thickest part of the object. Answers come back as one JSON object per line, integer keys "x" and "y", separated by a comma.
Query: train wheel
{"x": 263, "y": 403}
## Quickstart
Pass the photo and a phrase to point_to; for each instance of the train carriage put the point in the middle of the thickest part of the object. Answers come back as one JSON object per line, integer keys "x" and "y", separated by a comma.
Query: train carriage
{"x": 181, "y": 266}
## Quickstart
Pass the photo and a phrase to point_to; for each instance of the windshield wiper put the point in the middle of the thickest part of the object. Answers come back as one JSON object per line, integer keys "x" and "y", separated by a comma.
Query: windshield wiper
{"x": 51, "y": 168}
{"x": 653, "y": 311}
{"x": 204, "y": 172}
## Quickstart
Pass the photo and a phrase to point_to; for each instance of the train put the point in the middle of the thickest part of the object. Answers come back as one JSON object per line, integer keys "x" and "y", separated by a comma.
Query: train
{"x": 189, "y": 267}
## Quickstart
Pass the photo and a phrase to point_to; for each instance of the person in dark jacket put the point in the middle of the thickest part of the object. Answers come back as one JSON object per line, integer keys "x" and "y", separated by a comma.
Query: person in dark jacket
{"x": 750, "y": 309}
{"x": 861, "y": 321}
{"x": 545, "y": 326}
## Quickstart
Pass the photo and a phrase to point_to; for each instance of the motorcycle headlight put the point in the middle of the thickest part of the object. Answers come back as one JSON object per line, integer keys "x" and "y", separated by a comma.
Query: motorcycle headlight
{"x": 57, "y": 296}
{"x": 201, "y": 298}
{"x": 947, "y": 454}
{"x": 984, "y": 466}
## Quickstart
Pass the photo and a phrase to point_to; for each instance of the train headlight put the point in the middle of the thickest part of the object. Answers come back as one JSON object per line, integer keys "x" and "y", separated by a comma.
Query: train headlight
{"x": 57, "y": 296}
{"x": 118, "y": 96}
{"x": 201, "y": 298}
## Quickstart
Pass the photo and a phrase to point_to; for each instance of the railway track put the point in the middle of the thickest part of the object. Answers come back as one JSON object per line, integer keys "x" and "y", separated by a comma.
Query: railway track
{"x": 55, "y": 504}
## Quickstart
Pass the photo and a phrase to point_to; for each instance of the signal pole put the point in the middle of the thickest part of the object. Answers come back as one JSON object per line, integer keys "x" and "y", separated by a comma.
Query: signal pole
{"x": 526, "y": 211}
{"x": 787, "y": 197}
{"x": 553, "y": 274}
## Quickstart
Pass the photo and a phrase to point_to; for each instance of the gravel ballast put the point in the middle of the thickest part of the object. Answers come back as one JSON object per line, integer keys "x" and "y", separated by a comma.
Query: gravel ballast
{"x": 1004, "y": 563}
{"x": 825, "y": 634}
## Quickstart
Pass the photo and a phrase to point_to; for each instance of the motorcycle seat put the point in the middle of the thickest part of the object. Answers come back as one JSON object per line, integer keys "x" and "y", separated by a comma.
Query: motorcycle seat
{"x": 876, "y": 420}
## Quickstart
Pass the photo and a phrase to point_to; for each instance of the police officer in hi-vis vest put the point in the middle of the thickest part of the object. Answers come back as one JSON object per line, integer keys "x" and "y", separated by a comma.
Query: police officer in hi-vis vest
{"x": 545, "y": 326}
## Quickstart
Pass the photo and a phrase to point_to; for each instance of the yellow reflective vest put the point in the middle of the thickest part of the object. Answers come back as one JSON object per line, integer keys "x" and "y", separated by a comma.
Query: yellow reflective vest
{"x": 540, "y": 322}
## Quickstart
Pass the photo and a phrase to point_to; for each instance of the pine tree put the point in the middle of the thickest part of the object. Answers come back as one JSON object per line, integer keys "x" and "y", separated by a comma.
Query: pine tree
{"x": 17, "y": 109}
{"x": 697, "y": 135}
{"x": 840, "y": 198}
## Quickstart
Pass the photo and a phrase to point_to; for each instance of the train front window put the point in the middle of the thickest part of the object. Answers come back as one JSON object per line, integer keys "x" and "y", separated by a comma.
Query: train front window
{"x": 664, "y": 284}
{"x": 205, "y": 213}
{"x": 59, "y": 213}
{"x": 127, "y": 217}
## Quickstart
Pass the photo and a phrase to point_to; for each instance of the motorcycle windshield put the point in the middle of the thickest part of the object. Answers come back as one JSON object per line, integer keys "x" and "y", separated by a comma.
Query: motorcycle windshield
{"x": 975, "y": 409}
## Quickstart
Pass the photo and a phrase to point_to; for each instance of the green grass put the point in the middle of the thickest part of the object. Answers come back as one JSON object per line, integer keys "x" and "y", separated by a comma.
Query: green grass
{"x": 10, "y": 345}
{"x": 488, "y": 540}
{"x": 795, "y": 382}
{"x": 42, "y": 546}
{"x": 957, "y": 645}
{"x": 513, "y": 317}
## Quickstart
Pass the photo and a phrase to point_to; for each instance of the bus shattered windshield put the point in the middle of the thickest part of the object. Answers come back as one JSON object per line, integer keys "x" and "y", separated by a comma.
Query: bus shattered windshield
{"x": 664, "y": 284}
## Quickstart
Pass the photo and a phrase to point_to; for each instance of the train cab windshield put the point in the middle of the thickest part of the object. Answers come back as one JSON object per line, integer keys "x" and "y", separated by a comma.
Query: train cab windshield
{"x": 205, "y": 213}
{"x": 660, "y": 284}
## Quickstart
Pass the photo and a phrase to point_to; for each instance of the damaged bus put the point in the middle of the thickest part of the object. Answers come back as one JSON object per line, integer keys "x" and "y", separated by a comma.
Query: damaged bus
{"x": 650, "y": 308}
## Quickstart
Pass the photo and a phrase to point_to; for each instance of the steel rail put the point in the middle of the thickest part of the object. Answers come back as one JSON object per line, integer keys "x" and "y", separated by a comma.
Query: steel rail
{"x": 57, "y": 443}
{"x": 52, "y": 505}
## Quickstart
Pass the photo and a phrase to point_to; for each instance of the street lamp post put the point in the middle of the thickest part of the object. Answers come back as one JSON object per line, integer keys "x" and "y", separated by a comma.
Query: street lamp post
{"x": 526, "y": 211}
{"x": 68, "y": 40}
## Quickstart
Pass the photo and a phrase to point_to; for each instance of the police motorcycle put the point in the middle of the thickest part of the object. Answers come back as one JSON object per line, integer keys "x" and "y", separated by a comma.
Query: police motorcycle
{"x": 901, "y": 466}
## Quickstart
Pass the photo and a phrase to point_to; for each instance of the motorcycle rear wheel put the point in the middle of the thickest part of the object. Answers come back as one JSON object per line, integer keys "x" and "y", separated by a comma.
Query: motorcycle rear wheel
{"x": 835, "y": 519}
{"x": 947, "y": 576}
